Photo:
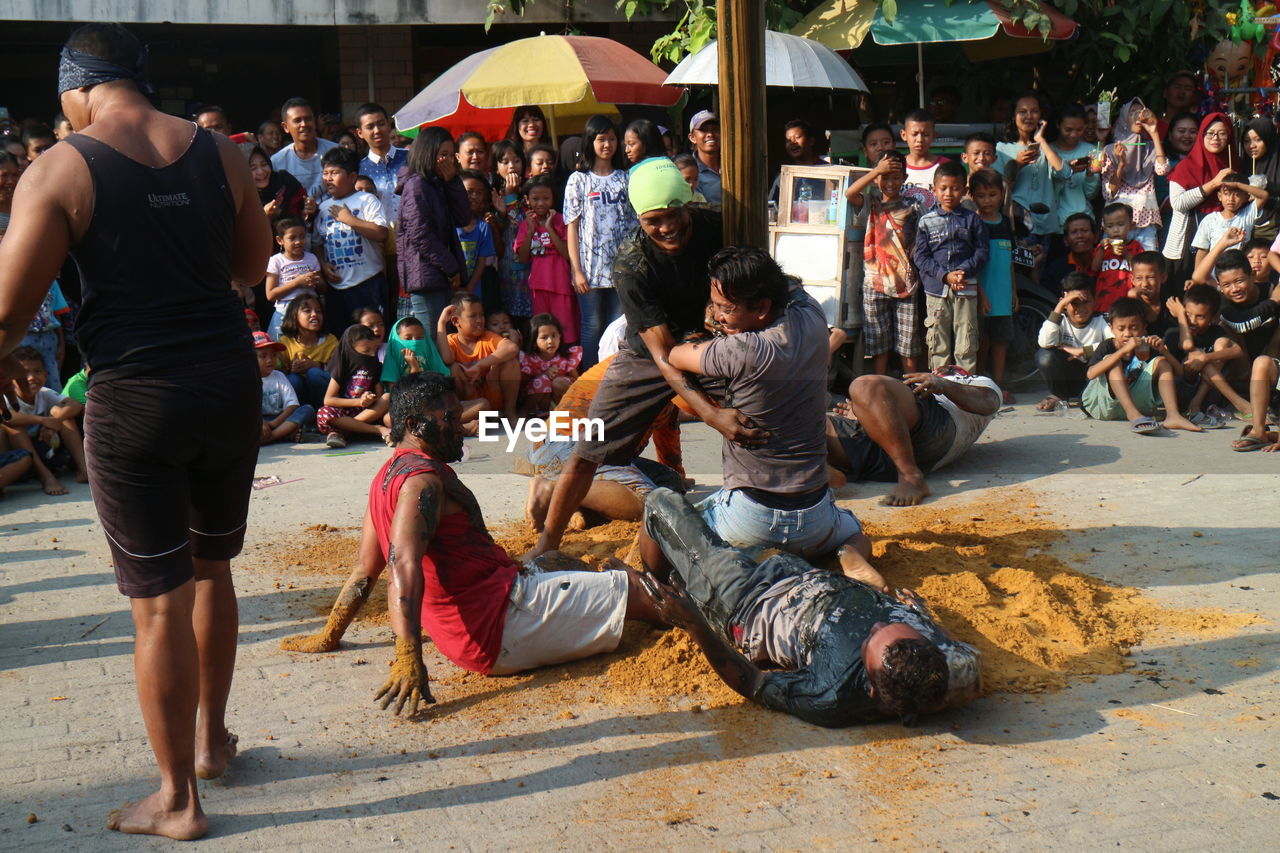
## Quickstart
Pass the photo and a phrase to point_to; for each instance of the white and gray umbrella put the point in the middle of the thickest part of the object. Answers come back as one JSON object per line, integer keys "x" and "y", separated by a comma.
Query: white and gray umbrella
{"x": 791, "y": 61}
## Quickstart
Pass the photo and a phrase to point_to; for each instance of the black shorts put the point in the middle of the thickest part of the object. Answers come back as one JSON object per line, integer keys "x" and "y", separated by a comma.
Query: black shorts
{"x": 632, "y": 393}
{"x": 998, "y": 330}
{"x": 171, "y": 460}
{"x": 931, "y": 439}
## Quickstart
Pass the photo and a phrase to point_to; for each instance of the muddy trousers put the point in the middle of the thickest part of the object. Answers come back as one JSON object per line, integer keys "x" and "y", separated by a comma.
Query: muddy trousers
{"x": 723, "y": 581}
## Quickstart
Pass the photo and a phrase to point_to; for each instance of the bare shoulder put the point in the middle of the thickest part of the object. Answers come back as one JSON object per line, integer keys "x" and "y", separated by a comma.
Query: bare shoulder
{"x": 59, "y": 178}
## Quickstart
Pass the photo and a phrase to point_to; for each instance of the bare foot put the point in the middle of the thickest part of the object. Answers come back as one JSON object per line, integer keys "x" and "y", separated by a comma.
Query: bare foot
{"x": 1179, "y": 422}
{"x": 1047, "y": 404}
{"x": 869, "y": 576}
{"x": 910, "y": 491}
{"x": 150, "y": 817}
{"x": 310, "y": 643}
{"x": 53, "y": 487}
{"x": 212, "y": 759}
{"x": 82, "y": 476}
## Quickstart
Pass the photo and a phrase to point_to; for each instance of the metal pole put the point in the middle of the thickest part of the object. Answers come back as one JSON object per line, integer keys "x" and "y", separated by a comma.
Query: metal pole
{"x": 920, "y": 70}
{"x": 744, "y": 180}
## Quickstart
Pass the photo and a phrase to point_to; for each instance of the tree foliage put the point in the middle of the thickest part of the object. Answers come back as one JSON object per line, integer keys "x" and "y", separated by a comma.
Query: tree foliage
{"x": 1130, "y": 45}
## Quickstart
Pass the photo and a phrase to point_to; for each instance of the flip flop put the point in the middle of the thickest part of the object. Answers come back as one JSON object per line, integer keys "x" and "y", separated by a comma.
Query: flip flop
{"x": 1145, "y": 426}
{"x": 1206, "y": 420}
{"x": 1248, "y": 444}
{"x": 1046, "y": 406}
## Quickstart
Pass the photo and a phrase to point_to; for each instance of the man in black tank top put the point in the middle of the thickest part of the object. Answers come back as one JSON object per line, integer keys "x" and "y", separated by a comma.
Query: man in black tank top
{"x": 161, "y": 217}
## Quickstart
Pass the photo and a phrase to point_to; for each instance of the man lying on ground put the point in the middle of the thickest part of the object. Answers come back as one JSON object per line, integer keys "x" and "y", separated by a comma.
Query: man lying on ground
{"x": 773, "y": 362}
{"x": 846, "y": 653}
{"x": 904, "y": 429}
{"x": 449, "y": 578}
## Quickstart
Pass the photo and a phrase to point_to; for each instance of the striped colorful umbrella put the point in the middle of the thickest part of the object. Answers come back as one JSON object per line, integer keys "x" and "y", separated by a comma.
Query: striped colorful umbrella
{"x": 570, "y": 77}
{"x": 985, "y": 27}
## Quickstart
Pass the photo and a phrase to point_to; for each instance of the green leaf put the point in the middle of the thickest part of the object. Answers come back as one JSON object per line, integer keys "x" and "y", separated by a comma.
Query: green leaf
{"x": 1122, "y": 53}
{"x": 889, "y": 8}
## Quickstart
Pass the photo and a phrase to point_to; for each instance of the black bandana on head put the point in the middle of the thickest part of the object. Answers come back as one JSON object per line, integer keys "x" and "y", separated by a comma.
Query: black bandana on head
{"x": 77, "y": 69}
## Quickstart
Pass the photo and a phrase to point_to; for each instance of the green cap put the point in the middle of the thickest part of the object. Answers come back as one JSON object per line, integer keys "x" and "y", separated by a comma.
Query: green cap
{"x": 656, "y": 184}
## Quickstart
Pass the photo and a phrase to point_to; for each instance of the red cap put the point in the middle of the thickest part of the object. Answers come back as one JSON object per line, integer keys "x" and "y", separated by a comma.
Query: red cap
{"x": 261, "y": 340}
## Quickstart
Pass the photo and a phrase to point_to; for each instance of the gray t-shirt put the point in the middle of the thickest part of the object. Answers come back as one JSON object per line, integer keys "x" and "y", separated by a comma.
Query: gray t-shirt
{"x": 777, "y": 377}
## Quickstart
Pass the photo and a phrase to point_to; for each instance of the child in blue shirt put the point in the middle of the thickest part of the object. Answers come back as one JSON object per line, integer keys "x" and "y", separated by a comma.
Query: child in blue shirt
{"x": 997, "y": 296}
{"x": 476, "y": 236}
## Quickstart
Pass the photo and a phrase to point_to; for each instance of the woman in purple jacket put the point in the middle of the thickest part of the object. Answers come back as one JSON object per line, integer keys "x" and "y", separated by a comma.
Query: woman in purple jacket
{"x": 432, "y": 203}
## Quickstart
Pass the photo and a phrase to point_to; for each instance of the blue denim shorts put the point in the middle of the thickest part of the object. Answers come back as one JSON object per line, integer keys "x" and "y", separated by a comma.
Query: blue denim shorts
{"x": 744, "y": 523}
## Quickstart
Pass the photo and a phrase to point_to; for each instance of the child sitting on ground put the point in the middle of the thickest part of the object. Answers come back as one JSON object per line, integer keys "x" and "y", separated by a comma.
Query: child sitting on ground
{"x": 1068, "y": 340}
{"x": 1113, "y": 258}
{"x": 542, "y": 243}
{"x": 282, "y": 416}
{"x": 549, "y": 366}
{"x": 15, "y": 462}
{"x": 1210, "y": 358}
{"x": 951, "y": 246}
{"x": 1249, "y": 306}
{"x": 997, "y": 296}
{"x": 1147, "y": 282}
{"x": 48, "y": 418}
{"x": 293, "y": 271}
{"x": 476, "y": 236}
{"x": 889, "y": 280}
{"x": 371, "y": 317}
{"x": 307, "y": 349}
{"x": 354, "y": 401}
{"x": 484, "y": 365}
{"x": 1126, "y": 371}
{"x": 410, "y": 351}
{"x": 499, "y": 322}
{"x": 1241, "y": 204}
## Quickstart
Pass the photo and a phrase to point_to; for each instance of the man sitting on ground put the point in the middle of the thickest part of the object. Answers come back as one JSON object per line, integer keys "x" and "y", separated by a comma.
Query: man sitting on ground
{"x": 903, "y": 430}
{"x": 449, "y": 578}
{"x": 773, "y": 362}
{"x": 845, "y": 653}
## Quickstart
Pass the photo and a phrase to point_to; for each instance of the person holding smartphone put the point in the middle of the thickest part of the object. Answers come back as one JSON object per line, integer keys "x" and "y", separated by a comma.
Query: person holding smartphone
{"x": 1075, "y": 185}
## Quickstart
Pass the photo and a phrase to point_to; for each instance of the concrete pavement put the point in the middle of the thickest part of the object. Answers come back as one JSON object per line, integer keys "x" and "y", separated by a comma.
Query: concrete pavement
{"x": 1179, "y": 753}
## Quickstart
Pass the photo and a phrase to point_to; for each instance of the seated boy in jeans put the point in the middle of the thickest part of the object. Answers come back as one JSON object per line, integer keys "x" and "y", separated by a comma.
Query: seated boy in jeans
{"x": 1126, "y": 371}
{"x": 1068, "y": 339}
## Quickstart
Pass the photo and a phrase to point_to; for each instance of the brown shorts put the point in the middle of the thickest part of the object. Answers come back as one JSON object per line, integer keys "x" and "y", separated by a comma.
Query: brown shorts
{"x": 632, "y": 393}
{"x": 171, "y": 462}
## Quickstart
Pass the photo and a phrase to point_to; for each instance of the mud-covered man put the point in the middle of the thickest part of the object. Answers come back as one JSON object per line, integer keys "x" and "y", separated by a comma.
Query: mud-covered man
{"x": 448, "y": 577}
{"x": 839, "y": 653}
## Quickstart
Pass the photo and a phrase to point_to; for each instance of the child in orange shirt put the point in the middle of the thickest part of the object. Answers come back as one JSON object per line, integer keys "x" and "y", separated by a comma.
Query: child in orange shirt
{"x": 483, "y": 364}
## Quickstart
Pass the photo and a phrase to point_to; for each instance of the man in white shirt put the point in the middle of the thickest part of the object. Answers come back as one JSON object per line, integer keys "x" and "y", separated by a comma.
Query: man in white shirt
{"x": 384, "y": 161}
{"x": 351, "y": 228}
{"x": 901, "y": 430}
{"x": 302, "y": 158}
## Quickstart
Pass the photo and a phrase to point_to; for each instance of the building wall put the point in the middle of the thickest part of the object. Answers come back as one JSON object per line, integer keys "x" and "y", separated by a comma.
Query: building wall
{"x": 295, "y": 12}
{"x": 375, "y": 64}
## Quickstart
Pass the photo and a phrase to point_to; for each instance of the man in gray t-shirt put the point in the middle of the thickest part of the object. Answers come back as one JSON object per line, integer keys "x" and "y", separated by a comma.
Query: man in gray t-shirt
{"x": 773, "y": 360}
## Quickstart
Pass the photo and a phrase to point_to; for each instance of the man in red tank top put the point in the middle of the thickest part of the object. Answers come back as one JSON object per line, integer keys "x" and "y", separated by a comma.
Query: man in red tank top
{"x": 482, "y": 610}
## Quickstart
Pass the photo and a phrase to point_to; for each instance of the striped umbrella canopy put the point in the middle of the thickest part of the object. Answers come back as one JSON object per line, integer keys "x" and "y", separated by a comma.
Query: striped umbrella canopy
{"x": 570, "y": 77}
{"x": 790, "y": 61}
{"x": 984, "y": 27}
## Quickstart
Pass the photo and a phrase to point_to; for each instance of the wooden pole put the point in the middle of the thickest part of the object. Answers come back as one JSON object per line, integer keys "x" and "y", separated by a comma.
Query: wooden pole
{"x": 744, "y": 180}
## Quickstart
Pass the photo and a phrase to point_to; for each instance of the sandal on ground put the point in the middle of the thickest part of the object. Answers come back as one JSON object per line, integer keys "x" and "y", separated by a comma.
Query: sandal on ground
{"x": 1248, "y": 443}
{"x": 1048, "y": 403}
{"x": 1145, "y": 426}
{"x": 1206, "y": 420}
